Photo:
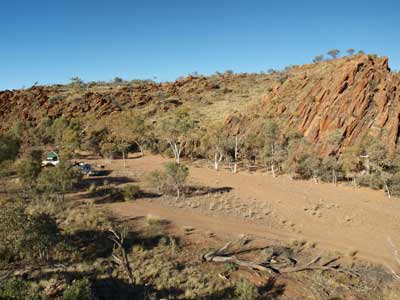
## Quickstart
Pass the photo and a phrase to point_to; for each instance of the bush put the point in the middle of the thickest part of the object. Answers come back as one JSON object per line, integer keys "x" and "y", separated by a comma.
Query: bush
{"x": 371, "y": 180}
{"x": 171, "y": 180}
{"x": 29, "y": 168}
{"x": 17, "y": 289}
{"x": 394, "y": 185}
{"x": 246, "y": 291}
{"x": 155, "y": 179}
{"x": 9, "y": 148}
{"x": 79, "y": 290}
{"x": 58, "y": 180}
{"x": 23, "y": 235}
{"x": 130, "y": 192}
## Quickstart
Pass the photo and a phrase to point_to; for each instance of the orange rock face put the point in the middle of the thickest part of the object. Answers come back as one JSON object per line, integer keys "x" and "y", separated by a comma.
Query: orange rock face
{"x": 356, "y": 98}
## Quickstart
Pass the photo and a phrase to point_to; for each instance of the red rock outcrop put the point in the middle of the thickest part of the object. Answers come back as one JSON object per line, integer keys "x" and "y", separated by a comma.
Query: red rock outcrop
{"x": 334, "y": 103}
{"x": 350, "y": 99}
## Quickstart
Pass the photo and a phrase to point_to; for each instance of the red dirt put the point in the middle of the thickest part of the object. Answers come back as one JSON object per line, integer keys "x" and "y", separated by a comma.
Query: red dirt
{"x": 335, "y": 217}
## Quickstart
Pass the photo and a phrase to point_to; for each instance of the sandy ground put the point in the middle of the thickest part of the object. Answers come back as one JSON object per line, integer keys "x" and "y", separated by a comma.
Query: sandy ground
{"x": 336, "y": 218}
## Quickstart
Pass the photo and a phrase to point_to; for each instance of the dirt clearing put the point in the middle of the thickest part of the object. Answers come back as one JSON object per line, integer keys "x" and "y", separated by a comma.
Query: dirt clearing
{"x": 336, "y": 218}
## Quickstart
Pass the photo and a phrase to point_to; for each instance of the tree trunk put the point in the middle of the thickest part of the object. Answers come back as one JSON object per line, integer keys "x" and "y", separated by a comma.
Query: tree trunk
{"x": 273, "y": 170}
{"x": 217, "y": 159}
{"x": 140, "y": 149}
{"x": 388, "y": 191}
{"x": 236, "y": 154}
{"x": 355, "y": 182}
{"x": 176, "y": 150}
{"x": 123, "y": 158}
{"x": 334, "y": 178}
{"x": 216, "y": 162}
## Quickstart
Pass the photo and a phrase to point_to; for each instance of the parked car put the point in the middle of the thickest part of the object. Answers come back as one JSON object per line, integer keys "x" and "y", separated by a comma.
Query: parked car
{"x": 52, "y": 159}
{"x": 87, "y": 169}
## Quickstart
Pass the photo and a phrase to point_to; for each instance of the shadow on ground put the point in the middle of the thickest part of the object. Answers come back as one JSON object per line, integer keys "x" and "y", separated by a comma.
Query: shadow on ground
{"x": 192, "y": 191}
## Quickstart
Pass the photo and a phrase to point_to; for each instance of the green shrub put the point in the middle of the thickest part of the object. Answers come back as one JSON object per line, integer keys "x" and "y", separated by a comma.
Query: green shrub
{"x": 372, "y": 181}
{"x": 29, "y": 167}
{"x": 9, "y": 147}
{"x": 79, "y": 290}
{"x": 58, "y": 180}
{"x": 246, "y": 291}
{"x": 155, "y": 179}
{"x": 24, "y": 235}
{"x": 394, "y": 185}
{"x": 171, "y": 180}
{"x": 17, "y": 289}
{"x": 131, "y": 192}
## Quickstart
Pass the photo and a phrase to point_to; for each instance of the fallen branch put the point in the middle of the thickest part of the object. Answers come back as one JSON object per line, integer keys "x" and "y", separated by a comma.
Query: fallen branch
{"x": 219, "y": 256}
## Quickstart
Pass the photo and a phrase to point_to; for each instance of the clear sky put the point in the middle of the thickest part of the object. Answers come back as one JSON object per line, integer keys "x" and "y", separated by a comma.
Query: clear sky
{"x": 54, "y": 40}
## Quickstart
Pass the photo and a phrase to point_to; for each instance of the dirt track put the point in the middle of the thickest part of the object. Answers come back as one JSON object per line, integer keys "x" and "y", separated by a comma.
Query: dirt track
{"x": 335, "y": 218}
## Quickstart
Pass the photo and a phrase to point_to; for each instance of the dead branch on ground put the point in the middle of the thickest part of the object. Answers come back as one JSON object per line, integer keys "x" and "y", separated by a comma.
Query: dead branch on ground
{"x": 272, "y": 267}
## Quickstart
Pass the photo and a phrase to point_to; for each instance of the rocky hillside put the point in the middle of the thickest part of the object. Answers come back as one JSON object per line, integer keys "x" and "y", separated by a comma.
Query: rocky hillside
{"x": 333, "y": 103}
{"x": 337, "y": 104}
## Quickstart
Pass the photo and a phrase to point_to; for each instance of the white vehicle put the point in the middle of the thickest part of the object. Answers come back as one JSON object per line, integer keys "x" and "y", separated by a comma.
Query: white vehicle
{"x": 52, "y": 159}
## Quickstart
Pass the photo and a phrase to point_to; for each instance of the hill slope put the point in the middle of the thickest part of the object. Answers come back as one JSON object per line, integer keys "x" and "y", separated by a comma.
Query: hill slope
{"x": 333, "y": 103}
{"x": 339, "y": 103}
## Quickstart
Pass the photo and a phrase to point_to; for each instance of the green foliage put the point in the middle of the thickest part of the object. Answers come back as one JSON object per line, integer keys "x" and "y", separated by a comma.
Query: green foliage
{"x": 66, "y": 134}
{"x": 352, "y": 162}
{"x": 333, "y": 53}
{"x": 380, "y": 167}
{"x": 43, "y": 234}
{"x": 76, "y": 81}
{"x": 171, "y": 179}
{"x": 130, "y": 192}
{"x": 176, "y": 129}
{"x": 118, "y": 80}
{"x": 394, "y": 184}
{"x": 59, "y": 180}
{"x": 17, "y": 289}
{"x": 302, "y": 159}
{"x": 155, "y": 179}
{"x": 6, "y": 168}
{"x": 350, "y": 51}
{"x": 274, "y": 151}
{"x": 95, "y": 140}
{"x": 25, "y": 235}
{"x": 330, "y": 170}
{"x": 318, "y": 58}
{"x": 126, "y": 129}
{"x": 216, "y": 144}
{"x": 245, "y": 290}
{"x": 12, "y": 232}
{"x": 177, "y": 124}
{"x": 79, "y": 290}
{"x": 108, "y": 149}
{"x": 176, "y": 174}
{"x": 9, "y": 147}
{"x": 29, "y": 167}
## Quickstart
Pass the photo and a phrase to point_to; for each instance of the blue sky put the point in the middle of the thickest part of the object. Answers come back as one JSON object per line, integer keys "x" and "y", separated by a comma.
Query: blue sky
{"x": 52, "y": 41}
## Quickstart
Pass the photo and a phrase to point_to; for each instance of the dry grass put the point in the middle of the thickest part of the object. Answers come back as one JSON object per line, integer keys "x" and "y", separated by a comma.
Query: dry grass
{"x": 88, "y": 217}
